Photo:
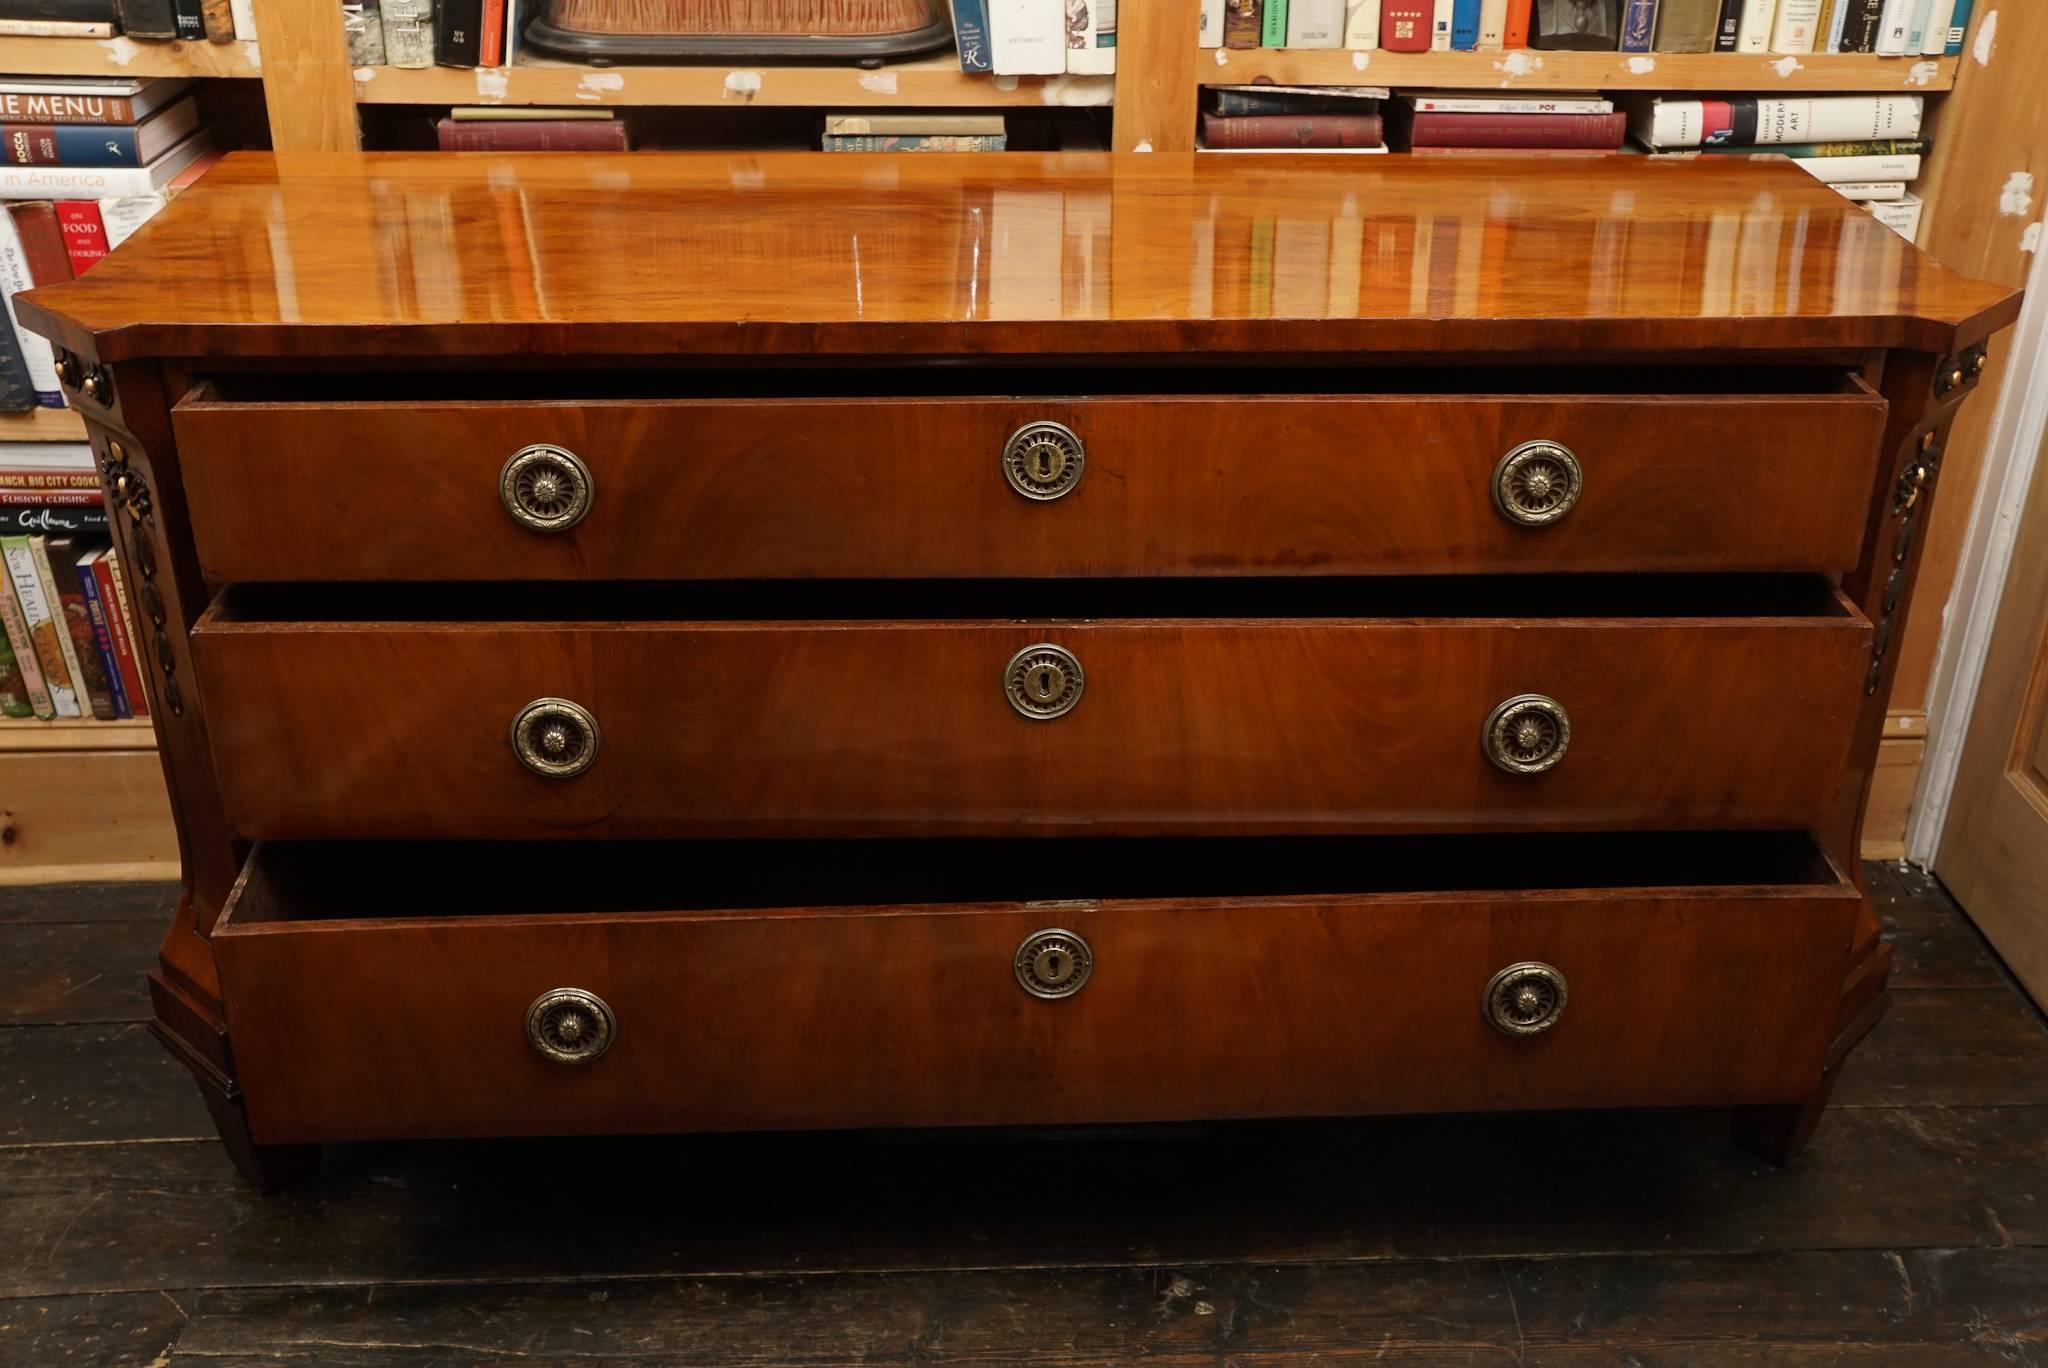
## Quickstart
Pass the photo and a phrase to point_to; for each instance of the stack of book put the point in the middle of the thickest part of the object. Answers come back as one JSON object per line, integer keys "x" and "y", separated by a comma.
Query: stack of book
{"x": 216, "y": 21}
{"x": 1037, "y": 37}
{"x": 915, "y": 132}
{"x": 1449, "y": 122}
{"x": 529, "y": 128}
{"x": 1865, "y": 147}
{"x": 68, "y": 642}
{"x": 1275, "y": 118}
{"x": 423, "y": 33}
{"x": 1886, "y": 27}
{"x": 85, "y": 163}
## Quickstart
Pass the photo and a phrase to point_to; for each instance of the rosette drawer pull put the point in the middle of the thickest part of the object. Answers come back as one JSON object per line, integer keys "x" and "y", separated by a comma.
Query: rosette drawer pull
{"x": 1526, "y": 734}
{"x": 555, "y": 738}
{"x": 1524, "y": 999}
{"x": 1536, "y": 484}
{"x": 569, "y": 1026}
{"x": 546, "y": 488}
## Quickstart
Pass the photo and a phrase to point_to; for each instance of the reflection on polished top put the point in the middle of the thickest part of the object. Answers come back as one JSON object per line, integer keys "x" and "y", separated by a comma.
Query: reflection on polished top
{"x": 356, "y": 254}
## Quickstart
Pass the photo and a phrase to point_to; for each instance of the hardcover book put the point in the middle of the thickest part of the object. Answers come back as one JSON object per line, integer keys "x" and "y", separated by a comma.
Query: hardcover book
{"x": 1577, "y": 25}
{"x": 1027, "y": 37}
{"x": 458, "y": 32}
{"x": 102, "y": 638}
{"x": 13, "y": 691}
{"x": 1292, "y": 130}
{"x": 408, "y": 33}
{"x": 1464, "y": 25}
{"x": 1243, "y": 23}
{"x": 153, "y": 19}
{"x": 1273, "y": 30}
{"x": 1362, "y": 24}
{"x": 1404, "y": 24}
{"x": 41, "y": 623}
{"x": 100, "y": 144}
{"x": 1797, "y": 23}
{"x": 532, "y": 135}
{"x": 36, "y": 355}
{"x": 14, "y": 626}
{"x": 121, "y": 639}
{"x": 1315, "y": 23}
{"x": 57, "y": 561}
{"x": 1638, "y": 25}
{"x": 84, "y": 100}
{"x": 1750, "y": 120}
{"x": 100, "y": 182}
{"x": 17, "y": 392}
{"x": 970, "y": 32}
{"x": 1599, "y": 131}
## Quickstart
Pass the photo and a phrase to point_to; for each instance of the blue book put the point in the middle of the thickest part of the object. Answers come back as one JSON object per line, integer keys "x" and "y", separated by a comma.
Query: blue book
{"x": 103, "y": 643}
{"x": 1959, "y": 27}
{"x": 970, "y": 33}
{"x": 1638, "y": 25}
{"x": 118, "y": 144}
{"x": 1465, "y": 25}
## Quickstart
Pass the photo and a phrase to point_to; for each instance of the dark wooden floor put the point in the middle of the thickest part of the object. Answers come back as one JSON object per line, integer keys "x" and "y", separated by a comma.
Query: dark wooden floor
{"x": 1914, "y": 1231}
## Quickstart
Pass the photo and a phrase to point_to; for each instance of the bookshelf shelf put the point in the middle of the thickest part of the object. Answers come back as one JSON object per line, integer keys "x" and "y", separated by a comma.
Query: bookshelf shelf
{"x": 931, "y": 81}
{"x": 42, "y": 425}
{"x": 1532, "y": 70}
{"x": 70, "y": 734}
{"x": 125, "y": 57}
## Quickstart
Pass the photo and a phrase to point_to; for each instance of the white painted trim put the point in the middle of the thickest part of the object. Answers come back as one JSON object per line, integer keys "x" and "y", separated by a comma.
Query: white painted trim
{"x": 2017, "y": 432}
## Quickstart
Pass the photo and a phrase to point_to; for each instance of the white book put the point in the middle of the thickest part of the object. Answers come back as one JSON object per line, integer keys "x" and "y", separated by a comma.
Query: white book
{"x": 67, "y": 646}
{"x": 1431, "y": 102}
{"x": 35, "y": 612}
{"x": 1362, "y": 24}
{"x": 1440, "y": 27}
{"x": 1876, "y": 168}
{"x": 1870, "y": 190}
{"x": 1916, "y": 25}
{"x": 121, "y": 217}
{"x": 1826, "y": 118}
{"x": 1493, "y": 24}
{"x": 54, "y": 28}
{"x": 1088, "y": 24}
{"x": 1902, "y": 216}
{"x": 1838, "y": 25}
{"x": 1891, "y": 28}
{"x": 14, "y": 276}
{"x": 1941, "y": 17}
{"x": 1027, "y": 37}
{"x": 1315, "y": 23}
{"x": 1754, "y": 34}
{"x": 1796, "y": 26}
{"x": 99, "y": 182}
{"x": 1209, "y": 28}
{"x": 75, "y": 457}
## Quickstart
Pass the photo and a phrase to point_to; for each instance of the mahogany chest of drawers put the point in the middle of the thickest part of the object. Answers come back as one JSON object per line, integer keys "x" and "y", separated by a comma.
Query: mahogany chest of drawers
{"x": 865, "y": 641}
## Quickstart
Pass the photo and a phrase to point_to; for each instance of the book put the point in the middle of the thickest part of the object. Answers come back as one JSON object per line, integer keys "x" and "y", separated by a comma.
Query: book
{"x": 1362, "y": 24}
{"x": 1460, "y": 102}
{"x": 1440, "y": 22}
{"x": 120, "y": 637}
{"x": 1404, "y": 24}
{"x": 1958, "y": 30}
{"x": 1517, "y": 130}
{"x": 38, "y": 359}
{"x": 1901, "y": 215}
{"x": 84, "y": 99}
{"x": 1464, "y": 25}
{"x": 1091, "y": 37}
{"x": 1243, "y": 22}
{"x": 42, "y": 241}
{"x": 1794, "y": 29}
{"x": 1687, "y": 25}
{"x": 57, "y": 562}
{"x": 1026, "y": 37}
{"x": 13, "y": 690}
{"x": 1860, "y": 24}
{"x": 531, "y": 135}
{"x": 85, "y": 236}
{"x": 67, "y": 639}
{"x": 408, "y": 33}
{"x": 1515, "y": 31}
{"x": 100, "y": 182}
{"x": 1891, "y": 28}
{"x": 53, "y": 28}
{"x": 41, "y": 622}
{"x": 363, "y": 23}
{"x": 916, "y": 142}
{"x": 1273, "y": 29}
{"x": 1493, "y": 23}
{"x": 1232, "y": 101}
{"x": 1638, "y": 25}
{"x": 52, "y": 513}
{"x": 14, "y": 626}
{"x": 458, "y": 32}
{"x": 1758, "y": 17}
{"x": 152, "y": 19}
{"x": 191, "y": 23}
{"x": 17, "y": 391}
{"x": 100, "y": 144}
{"x": 1292, "y": 130}
{"x": 516, "y": 113}
{"x": 1840, "y": 169}
{"x": 1834, "y": 18}
{"x": 840, "y": 125}
{"x": 1934, "y": 38}
{"x": 970, "y": 31}
{"x": 1577, "y": 25}
{"x": 102, "y": 638}
{"x": 136, "y": 632}
{"x": 1729, "y": 28}
{"x": 1892, "y": 147}
{"x": 1746, "y": 120}
{"x": 1870, "y": 190}
{"x": 1916, "y": 24}
{"x": 1315, "y": 23}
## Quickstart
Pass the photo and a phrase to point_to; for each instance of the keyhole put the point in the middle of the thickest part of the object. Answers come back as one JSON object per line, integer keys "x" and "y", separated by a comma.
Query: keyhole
{"x": 1046, "y": 683}
{"x": 1054, "y": 967}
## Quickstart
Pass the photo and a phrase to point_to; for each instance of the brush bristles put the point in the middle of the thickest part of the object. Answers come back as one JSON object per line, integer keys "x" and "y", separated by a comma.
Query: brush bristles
{"x": 820, "y": 18}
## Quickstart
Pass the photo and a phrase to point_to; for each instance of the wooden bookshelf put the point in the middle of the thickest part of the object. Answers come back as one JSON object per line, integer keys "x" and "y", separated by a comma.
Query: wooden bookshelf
{"x": 1603, "y": 71}
{"x": 83, "y": 800}
{"x": 126, "y": 57}
{"x": 927, "y": 82}
{"x": 42, "y": 425}
{"x": 18, "y": 735}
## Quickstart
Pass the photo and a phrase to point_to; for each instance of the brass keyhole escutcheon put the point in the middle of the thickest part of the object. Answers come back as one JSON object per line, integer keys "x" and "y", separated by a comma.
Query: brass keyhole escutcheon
{"x": 1043, "y": 461}
{"x": 1053, "y": 963}
{"x": 1043, "y": 682}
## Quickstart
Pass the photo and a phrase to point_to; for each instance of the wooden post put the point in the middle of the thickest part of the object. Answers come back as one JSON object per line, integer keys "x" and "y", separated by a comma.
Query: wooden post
{"x": 308, "y": 85}
{"x": 1155, "y": 80}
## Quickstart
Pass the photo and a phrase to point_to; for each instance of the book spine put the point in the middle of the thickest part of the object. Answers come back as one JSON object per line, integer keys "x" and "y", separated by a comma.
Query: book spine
{"x": 490, "y": 42}
{"x": 1795, "y": 27}
{"x": 1315, "y": 23}
{"x": 17, "y": 391}
{"x": 217, "y": 17}
{"x": 1440, "y": 25}
{"x": 29, "y": 144}
{"x": 191, "y": 23}
{"x": 1894, "y": 147}
{"x": 102, "y": 639}
{"x": 42, "y": 624}
{"x": 120, "y": 639}
{"x": 1638, "y": 25}
{"x": 1028, "y": 37}
{"x": 915, "y": 142}
{"x": 1958, "y": 30}
{"x": 53, "y": 28}
{"x": 42, "y": 241}
{"x": 1916, "y": 24}
{"x": 1464, "y": 25}
{"x": 1506, "y": 104}
{"x": 138, "y": 697}
{"x": 37, "y": 357}
{"x": 1493, "y": 23}
{"x": 68, "y": 608}
{"x": 970, "y": 31}
{"x": 58, "y": 516}
{"x": 1755, "y": 32}
{"x": 1515, "y": 30}
{"x": 537, "y": 135}
{"x": 1091, "y": 36}
{"x": 1891, "y": 28}
{"x": 1838, "y": 24}
{"x": 30, "y": 107}
{"x": 64, "y": 182}
{"x": 1869, "y": 190}
{"x": 155, "y": 19}
{"x": 1273, "y": 31}
{"x": 1728, "y": 29}
{"x": 1596, "y": 131}
{"x": 1243, "y": 20}
{"x": 42, "y": 480}
{"x": 13, "y": 691}
{"x": 458, "y": 32}
{"x": 1860, "y": 26}
{"x": 1853, "y": 169}
{"x": 1941, "y": 16}
{"x": 1362, "y": 24}
{"x": 1292, "y": 130}
{"x": 1902, "y": 216}
{"x": 1686, "y": 25}
{"x": 408, "y": 33}
{"x": 102, "y": 145}
{"x": 1404, "y": 25}
{"x": 15, "y": 627}
{"x": 85, "y": 237}
{"x": 245, "y": 19}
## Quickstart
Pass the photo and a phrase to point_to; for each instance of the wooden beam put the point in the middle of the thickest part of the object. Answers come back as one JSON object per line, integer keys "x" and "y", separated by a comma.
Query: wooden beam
{"x": 307, "y": 85}
{"x": 1156, "y": 75}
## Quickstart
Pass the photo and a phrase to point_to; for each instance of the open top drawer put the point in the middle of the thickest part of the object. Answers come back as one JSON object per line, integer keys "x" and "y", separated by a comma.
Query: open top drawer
{"x": 421, "y": 989}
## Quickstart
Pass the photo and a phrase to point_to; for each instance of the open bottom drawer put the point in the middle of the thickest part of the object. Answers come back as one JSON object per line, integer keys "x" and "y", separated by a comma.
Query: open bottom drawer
{"x": 389, "y": 990}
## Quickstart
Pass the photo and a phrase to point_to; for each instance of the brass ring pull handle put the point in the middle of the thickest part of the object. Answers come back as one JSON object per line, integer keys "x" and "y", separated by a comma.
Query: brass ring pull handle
{"x": 570, "y": 1026}
{"x": 1044, "y": 461}
{"x": 1053, "y": 963}
{"x": 1043, "y": 682}
{"x": 546, "y": 488}
{"x": 1536, "y": 484}
{"x": 555, "y": 738}
{"x": 1526, "y": 734}
{"x": 1524, "y": 999}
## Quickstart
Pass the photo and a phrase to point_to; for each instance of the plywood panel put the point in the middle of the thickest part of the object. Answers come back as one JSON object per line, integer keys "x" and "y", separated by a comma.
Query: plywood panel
{"x": 67, "y": 815}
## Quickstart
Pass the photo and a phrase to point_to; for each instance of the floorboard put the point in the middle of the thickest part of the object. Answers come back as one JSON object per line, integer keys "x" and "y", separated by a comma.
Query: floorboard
{"x": 1914, "y": 1232}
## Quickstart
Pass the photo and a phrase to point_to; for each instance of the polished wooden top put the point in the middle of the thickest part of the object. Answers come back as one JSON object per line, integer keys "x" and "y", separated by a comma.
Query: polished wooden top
{"x": 366, "y": 254}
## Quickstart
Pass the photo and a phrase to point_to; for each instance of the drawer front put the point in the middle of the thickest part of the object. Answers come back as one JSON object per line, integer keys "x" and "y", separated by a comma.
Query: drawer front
{"x": 1236, "y": 484}
{"x": 401, "y": 730}
{"x": 916, "y": 1016}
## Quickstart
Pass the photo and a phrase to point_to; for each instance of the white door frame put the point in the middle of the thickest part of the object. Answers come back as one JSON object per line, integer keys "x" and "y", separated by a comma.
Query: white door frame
{"x": 2017, "y": 430}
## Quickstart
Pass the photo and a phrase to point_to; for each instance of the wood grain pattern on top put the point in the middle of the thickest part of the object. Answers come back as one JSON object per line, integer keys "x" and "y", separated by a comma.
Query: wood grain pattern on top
{"x": 645, "y": 254}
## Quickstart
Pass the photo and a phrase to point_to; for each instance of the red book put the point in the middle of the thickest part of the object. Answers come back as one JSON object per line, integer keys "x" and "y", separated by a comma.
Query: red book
{"x": 531, "y": 135}
{"x": 1292, "y": 130}
{"x": 491, "y": 44}
{"x": 29, "y": 144}
{"x": 1516, "y": 34}
{"x": 1404, "y": 25}
{"x": 119, "y": 635}
{"x": 85, "y": 237}
{"x": 42, "y": 241}
{"x": 1599, "y": 131}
